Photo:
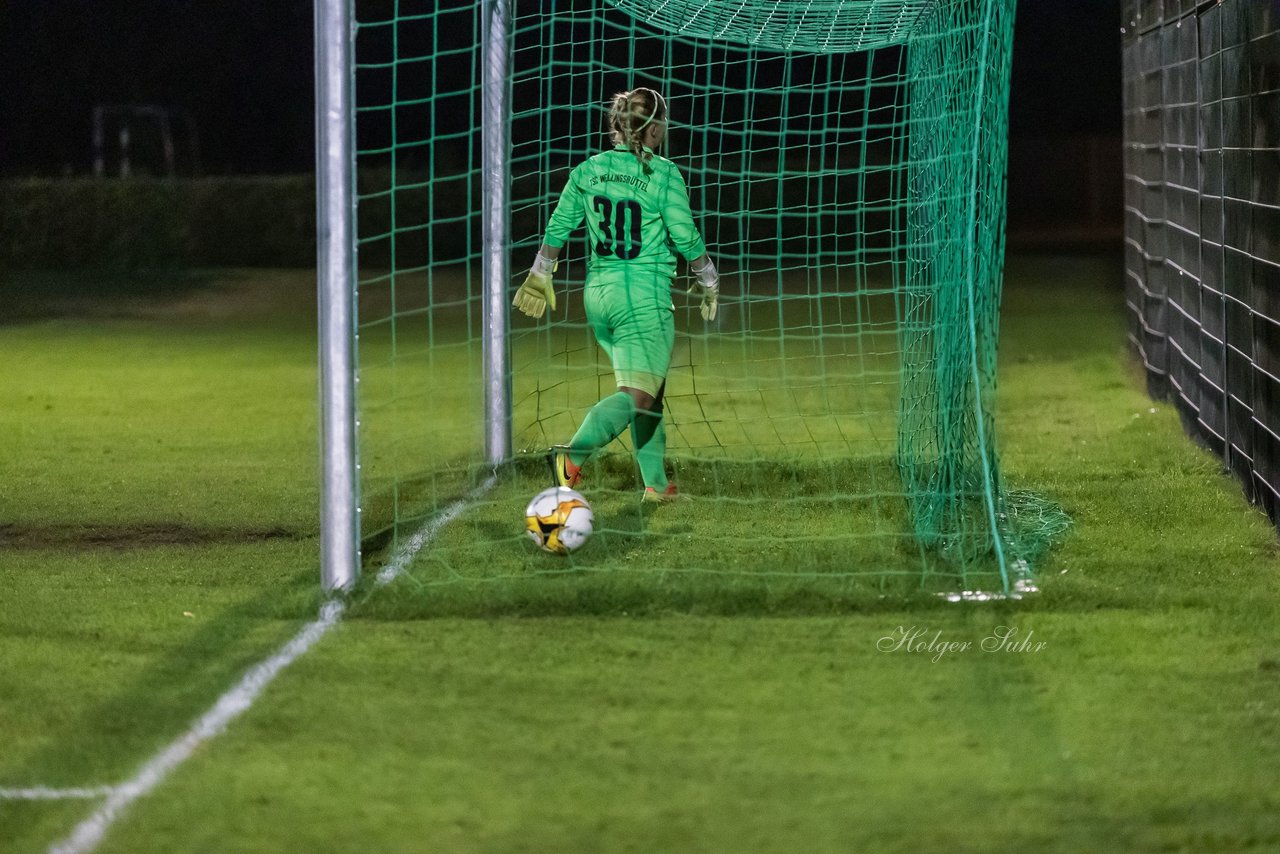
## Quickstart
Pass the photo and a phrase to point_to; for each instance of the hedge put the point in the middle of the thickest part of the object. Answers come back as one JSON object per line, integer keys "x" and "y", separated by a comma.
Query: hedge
{"x": 156, "y": 222}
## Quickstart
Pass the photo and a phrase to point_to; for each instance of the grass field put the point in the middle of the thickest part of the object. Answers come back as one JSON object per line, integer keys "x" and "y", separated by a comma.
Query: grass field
{"x": 158, "y": 523}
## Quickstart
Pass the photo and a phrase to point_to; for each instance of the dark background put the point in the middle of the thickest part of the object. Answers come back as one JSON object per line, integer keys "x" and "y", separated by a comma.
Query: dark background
{"x": 243, "y": 70}
{"x": 240, "y": 73}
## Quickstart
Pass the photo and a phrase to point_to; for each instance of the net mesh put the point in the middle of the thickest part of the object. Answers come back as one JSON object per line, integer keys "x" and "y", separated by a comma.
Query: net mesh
{"x": 845, "y": 165}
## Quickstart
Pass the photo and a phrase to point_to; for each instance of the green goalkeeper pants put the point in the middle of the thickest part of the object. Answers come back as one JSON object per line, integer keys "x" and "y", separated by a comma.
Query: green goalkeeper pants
{"x": 634, "y": 321}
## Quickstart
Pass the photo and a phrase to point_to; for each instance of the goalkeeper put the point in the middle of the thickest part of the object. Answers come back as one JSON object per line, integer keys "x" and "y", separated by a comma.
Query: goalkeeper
{"x": 638, "y": 219}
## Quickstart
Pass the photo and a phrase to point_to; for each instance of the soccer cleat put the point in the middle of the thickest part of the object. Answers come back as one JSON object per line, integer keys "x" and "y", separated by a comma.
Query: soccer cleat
{"x": 563, "y": 470}
{"x": 653, "y": 496}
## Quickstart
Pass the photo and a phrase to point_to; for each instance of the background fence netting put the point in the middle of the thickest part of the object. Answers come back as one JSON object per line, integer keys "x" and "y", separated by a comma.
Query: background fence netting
{"x": 1202, "y": 222}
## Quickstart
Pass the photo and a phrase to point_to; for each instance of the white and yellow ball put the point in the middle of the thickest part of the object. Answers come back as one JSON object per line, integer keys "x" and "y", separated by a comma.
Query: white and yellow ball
{"x": 558, "y": 520}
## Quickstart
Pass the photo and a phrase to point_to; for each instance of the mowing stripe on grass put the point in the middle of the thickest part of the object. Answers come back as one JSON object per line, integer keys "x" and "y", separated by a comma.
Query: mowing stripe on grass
{"x": 235, "y": 702}
{"x": 45, "y": 793}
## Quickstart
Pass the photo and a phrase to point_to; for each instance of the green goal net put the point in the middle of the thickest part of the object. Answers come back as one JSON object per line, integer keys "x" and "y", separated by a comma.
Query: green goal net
{"x": 833, "y": 426}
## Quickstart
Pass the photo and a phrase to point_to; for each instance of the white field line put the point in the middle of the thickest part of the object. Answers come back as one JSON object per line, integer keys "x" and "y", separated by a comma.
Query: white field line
{"x": 45, "y": 793}
{"x": 89, "y": 833}
{"x": 404, "y": 555}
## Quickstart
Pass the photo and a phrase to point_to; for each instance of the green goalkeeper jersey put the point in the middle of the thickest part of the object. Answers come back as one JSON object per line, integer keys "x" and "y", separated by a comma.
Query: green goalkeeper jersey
{"x": 635, "y": 222}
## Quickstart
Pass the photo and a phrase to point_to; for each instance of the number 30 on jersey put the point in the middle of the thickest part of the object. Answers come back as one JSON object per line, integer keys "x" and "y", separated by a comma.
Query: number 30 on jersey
{"x": 619, "y": 227}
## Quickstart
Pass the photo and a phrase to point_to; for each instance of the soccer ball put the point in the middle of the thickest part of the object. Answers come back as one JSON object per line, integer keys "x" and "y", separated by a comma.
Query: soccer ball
{"x": 558, "y": 520}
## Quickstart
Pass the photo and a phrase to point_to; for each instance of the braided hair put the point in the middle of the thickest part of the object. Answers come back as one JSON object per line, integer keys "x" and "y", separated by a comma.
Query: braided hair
{"x": 629, "y": 115}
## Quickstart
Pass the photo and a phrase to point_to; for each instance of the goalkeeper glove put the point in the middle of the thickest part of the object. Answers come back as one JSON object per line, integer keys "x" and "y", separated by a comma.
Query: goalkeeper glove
{"x": 708, "y": 286}
{"x": 536, "y": 292}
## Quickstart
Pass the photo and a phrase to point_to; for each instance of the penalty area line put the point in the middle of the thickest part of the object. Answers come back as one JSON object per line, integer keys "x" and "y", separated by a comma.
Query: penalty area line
{"x": 89, "y": 833}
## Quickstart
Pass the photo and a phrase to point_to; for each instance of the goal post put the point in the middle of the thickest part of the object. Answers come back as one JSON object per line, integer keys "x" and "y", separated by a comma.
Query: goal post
{"x": 336, "y": 288}
{"x": 495, "y": 21}
{"x": 846, "y": 167}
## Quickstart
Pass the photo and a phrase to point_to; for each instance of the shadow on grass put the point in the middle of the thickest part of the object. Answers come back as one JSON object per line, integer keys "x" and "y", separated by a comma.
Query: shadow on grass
{"x": 108, "y": 740}
{"x": 125, "y": 537}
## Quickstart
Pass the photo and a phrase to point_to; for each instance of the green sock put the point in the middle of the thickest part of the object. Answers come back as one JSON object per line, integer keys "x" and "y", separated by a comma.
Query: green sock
{"x": 604, "y": 423}
{"x": 650, "y": 438}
